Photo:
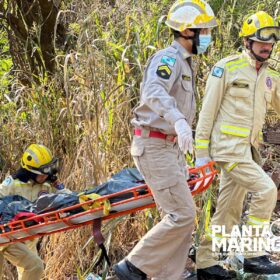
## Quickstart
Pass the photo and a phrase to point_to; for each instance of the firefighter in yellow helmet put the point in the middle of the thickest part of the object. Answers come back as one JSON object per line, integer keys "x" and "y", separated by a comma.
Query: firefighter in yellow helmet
{"x": 162, "y": 137}
{"x": 36, "y": 176}
{"x": 239, "y": 90}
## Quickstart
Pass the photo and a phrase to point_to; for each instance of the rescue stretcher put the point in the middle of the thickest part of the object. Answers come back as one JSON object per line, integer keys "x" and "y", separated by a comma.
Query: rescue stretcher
{"x": 62, "y": 220}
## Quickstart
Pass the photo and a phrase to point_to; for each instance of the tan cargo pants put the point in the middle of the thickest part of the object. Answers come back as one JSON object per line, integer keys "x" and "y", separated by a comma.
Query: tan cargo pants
{"x": 236, "y": 181}
{"x": 162, "y": 252}
{"x": 25, "y": 257}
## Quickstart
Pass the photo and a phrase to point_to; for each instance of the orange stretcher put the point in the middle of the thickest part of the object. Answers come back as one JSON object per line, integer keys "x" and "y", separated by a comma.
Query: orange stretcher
{"x": 61, "y": 220}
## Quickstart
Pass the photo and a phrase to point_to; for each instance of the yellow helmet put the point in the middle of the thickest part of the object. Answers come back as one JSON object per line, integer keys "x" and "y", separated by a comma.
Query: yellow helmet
{"x": 38, "y": 159}
{"x": 190, "y": 14}
{"x": 261, "y": 27}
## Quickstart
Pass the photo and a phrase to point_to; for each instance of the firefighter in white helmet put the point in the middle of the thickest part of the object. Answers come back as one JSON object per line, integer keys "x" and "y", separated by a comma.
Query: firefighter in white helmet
{"x": 35, "y": 177}
{"x": 239, "y": 90}
{"x": 162, "y": 137}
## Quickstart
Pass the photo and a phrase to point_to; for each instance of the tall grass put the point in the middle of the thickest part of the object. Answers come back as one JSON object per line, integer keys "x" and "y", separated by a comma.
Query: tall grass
{"x": 83, "y": 112}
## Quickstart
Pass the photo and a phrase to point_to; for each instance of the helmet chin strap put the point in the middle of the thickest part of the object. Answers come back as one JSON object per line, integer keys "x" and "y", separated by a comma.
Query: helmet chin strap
{"x": 194, "y": 38}
{"x": 257, "y": 57}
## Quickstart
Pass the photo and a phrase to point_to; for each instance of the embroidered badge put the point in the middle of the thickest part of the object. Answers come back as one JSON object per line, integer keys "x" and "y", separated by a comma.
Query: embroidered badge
{"x": 218, "y": 72}
{"x": 7, "y": 182}
{"x": 168, "y": 60}
{"x": 269, "y": 82}
{"x": 164, "y": 72}
{"x": 186, "y": 77}
{"x": 60, "y": 186}
{"x": 43, "y": 192}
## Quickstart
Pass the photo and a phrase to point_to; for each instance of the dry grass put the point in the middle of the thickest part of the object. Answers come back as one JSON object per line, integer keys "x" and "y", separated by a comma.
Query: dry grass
{"x": 83, "y": 113}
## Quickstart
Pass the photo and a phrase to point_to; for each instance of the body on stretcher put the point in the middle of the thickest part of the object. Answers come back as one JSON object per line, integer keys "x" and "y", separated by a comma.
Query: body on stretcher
{"x": 64, "y": 219}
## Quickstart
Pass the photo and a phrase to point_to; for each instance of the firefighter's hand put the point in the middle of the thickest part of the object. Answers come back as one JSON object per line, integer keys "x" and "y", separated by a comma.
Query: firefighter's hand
{"x": 184, "y": 134}
{"x": 202, "y": 161}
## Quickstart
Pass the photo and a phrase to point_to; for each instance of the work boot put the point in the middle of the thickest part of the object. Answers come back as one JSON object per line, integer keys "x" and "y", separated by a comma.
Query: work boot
{"x": 125, "y": 270}
{"x": 215, "y": 272}
{"x": 261, "y": 265}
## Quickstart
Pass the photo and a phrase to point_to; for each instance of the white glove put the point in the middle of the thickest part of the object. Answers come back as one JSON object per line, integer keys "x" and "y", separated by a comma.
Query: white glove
{"x": 184, "y": 133}
{"x": 202, "y": 161}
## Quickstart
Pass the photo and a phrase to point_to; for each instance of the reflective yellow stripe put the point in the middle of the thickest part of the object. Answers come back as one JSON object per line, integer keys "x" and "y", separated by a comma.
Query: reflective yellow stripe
{"x": 238, "y": 61}
{"x": 252, "y": 220}
{"x": 273, "y": 73}
{"x": 202, "y": 144}
{"x": 229, "y": 166}
{"x": 260, "y": 135}
{"x": 235, "y": 130}
{"x": 238, "y": 66}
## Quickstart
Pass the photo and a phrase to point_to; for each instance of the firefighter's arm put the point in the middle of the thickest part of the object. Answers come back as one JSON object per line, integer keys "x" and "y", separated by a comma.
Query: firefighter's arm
{"x": 275, "y": 100}
{"x": 7, "y": 187}
{"x": 214, "y": 92}
{"x": 159, "y": 79}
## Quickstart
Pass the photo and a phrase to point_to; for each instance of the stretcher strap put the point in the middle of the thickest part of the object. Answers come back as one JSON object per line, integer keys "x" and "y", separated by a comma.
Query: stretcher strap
{"x": 99, "y": 239}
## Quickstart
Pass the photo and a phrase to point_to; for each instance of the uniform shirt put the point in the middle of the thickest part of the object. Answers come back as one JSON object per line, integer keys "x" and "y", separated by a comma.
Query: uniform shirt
{"x": 234, "y": 108}
{"x": 167, "y": 91}
{"x": 30, "y": 190}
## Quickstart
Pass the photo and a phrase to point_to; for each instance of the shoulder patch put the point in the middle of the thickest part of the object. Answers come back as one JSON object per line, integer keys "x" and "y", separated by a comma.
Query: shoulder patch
{"x": 168, "y": 60}
{"x": 217, "y": 72}
{"x": 60, "y": 187}
{"x": 164, "y": 72}
{"x": 7, "y": 181}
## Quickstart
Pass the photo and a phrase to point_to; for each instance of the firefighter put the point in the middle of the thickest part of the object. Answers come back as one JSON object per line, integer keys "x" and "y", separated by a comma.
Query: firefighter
{"x": 35, "y": 177}
{"x": 162, "y": 136}
{"x": 239, "y": 90}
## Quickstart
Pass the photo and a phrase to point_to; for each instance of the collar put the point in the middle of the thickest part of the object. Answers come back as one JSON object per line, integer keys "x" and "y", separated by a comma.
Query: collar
{"x": 183, "y": 52}
{"x": 246, "y": 54}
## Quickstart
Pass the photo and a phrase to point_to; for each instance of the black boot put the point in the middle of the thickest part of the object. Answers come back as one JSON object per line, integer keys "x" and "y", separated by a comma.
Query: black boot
{"x": 261, "y": 265}
{"x": 125, "y": 270}
{"x": 215, "y": 272}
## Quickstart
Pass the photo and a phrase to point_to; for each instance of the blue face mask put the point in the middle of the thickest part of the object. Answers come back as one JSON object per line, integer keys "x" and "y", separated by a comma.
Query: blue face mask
{"x": 204, "y": 42}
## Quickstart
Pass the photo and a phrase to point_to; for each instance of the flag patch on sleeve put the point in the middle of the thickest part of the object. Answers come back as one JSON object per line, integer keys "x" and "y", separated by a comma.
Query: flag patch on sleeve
{"x": 168, "y": 60}
{"x": 217, "y": 72}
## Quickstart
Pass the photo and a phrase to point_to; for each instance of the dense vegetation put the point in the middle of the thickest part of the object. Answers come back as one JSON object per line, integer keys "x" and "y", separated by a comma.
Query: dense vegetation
{"x": 69, "y": 78}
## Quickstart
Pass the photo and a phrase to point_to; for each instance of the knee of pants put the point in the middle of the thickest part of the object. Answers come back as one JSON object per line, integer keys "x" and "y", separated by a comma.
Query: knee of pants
{"x": 184, "y": 217}
{"x": 270, "y": 193}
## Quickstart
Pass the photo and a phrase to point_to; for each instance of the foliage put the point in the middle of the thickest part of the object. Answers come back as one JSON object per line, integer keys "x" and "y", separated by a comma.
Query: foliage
{"x": 83, "y": 106}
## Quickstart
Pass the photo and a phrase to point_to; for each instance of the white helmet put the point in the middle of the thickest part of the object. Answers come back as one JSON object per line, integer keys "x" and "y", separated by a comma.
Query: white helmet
{"x": 190, "y": 14}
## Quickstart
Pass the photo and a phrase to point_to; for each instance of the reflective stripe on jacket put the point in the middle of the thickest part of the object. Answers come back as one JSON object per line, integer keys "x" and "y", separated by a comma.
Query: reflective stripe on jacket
{"x": 29, "y": 190}
{"x": 234, "y": 108}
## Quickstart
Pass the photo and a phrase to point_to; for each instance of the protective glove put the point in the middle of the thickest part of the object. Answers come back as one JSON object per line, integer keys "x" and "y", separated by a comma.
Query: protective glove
{"x": 202, "y": 161}
{"x": 184, "y": 134}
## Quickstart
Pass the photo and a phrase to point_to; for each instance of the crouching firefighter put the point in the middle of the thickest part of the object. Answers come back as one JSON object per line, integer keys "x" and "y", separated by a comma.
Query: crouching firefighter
{"x": 162, "y": 137}
{"x": 36, "y": 176}
{"x": 239, "y": 90}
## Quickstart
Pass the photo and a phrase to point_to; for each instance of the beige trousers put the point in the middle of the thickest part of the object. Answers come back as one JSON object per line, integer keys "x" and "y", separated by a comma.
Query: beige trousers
{"x": 235, "y": 183}
{"x": 162, "y": 252}
{"x": 25, "y": 257}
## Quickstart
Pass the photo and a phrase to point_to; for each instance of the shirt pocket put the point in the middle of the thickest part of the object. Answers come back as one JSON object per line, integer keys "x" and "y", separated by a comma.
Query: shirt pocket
{"x": 185, "y": 96}
{"x": 242, "y": 98}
